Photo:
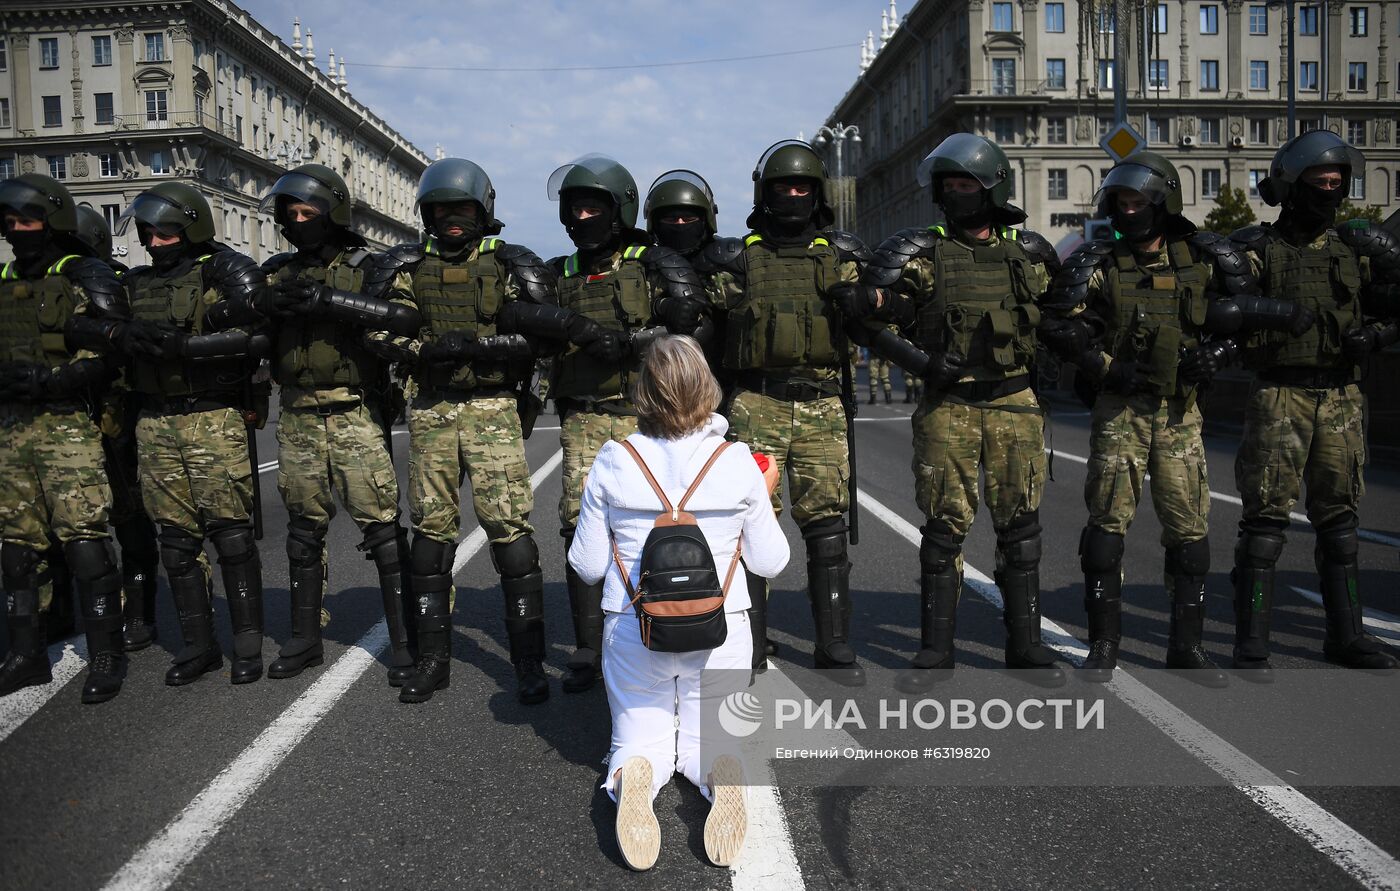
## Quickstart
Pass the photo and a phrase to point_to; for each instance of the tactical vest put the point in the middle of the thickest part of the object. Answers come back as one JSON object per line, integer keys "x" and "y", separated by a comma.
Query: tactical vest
{"x": 320, "y": 353}
{"x": 1325, "y": 279}
{"x": 1156, "y": 314}
{"x": 181, "y": 302}
{"x": 33, "y": 314}
{"x": 620, "y": 301}
{"x": 983, "y": 307}
{"x": 783, "y": 320}
{"x": 465, "y": 294}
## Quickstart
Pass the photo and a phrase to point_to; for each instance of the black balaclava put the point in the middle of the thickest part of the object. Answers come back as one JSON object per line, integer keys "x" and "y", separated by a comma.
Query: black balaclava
{"x": 472, "y": 229}
{"x": 30, "y": 246}
{"x": 788, "y": 218}
{"x": 1313, "y": 209}
{"x": 967, "y": 210}
{"x": 307, "y": 235}
{"x": 685, "y": 238}
{"x": 595, "y": 234}
{"x": 1141, "y": 226}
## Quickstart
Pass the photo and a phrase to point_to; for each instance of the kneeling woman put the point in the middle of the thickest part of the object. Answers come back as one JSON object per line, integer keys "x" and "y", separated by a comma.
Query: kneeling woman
{"x": 676, "y": 396}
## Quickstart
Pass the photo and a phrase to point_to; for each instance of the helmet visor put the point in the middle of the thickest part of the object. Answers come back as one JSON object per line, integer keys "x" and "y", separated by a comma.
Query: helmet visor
{"x": 165, "y": 217}
{"x": 777, "y": 146}
{"x": 593, "y": 171}
{"x": 1137, "y": 178}
{"x": 684, "y": 181}
{"x": 453, "y": 180}
{"x": 303, "y": 188}
{"x": 25, "y": 200}
{"x": 963, "y": 154}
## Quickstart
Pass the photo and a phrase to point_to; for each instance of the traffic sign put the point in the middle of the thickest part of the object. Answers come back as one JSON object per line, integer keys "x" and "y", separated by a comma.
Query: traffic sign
{"x": 1122, "y": 141}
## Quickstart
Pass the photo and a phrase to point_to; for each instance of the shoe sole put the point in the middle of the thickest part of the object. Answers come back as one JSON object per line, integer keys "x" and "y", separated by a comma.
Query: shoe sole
{"x": 405, "y": 696}
{"x": 183, "y": 682}
{"x": 282, "y": 675}
{"x": 728, "y": 821}
{"x": 638, "y": 833}
{"x": 94, "y": 699}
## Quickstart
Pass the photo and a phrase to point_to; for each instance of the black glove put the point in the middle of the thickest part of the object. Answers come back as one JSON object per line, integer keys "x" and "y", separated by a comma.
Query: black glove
{"x": 856, "y": 301}
{"x": 1063, "y": 337}
{"x": 1301, "y": 320}
{"x": 943, "y": 370}
{"x": 23, "y": 382}
{"x": 1124, "y": 378}
{"x": 1358, "y": 343}
{"x": 1198, "y": 366}
{"x": 294, "y": 297}
{"x": 452, "y": 348}
{"x": 140, "y": 337}
{"x": 680, "y": 314}
{"x": 607, "y": 347}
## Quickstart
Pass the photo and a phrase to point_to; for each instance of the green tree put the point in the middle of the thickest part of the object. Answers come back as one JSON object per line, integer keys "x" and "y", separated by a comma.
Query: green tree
{"x": 1231, "y": 211}
{"x": 1349, "y": 211}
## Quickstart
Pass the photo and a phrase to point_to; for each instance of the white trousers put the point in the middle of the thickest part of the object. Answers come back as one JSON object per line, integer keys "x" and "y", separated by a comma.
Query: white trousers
{"x": 655, "y": 699}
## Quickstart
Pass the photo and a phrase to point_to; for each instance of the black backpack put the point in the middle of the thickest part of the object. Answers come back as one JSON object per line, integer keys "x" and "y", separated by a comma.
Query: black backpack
{"x": 679, "y": 599}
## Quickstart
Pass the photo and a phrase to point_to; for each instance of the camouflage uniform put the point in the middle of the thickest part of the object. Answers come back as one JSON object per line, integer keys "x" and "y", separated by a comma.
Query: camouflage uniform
{"x": 913, "y": 386}
{"x": 878, "y": 370}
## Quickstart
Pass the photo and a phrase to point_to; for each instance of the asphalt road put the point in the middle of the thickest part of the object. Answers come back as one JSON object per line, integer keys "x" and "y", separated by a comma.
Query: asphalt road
{"x": 327, "y": 781}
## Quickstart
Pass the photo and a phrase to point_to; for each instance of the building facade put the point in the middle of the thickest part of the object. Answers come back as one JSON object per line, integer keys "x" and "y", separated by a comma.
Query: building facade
{"x": 115, "y": 97}
{"x": 1206, "y": 81}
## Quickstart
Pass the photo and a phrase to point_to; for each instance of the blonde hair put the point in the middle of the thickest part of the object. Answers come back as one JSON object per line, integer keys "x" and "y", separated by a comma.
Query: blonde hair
{"x": 675, "y": 392}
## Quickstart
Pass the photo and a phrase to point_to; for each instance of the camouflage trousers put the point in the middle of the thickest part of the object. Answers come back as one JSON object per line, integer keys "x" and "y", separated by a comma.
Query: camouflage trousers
{"x": 582, "y": 434}
{"x": 194, "y": 468}
{"x": 1295, "y": 436}
{"x": 1134, "y": 437}
{"x": 879, "y": 372}
{"x": 1003, "y": 439}
{"x": 477, "y": 440}
{"x": 808, "y": 441}
{"x": 322, "y": 458}
{"x": 52, "y": 482}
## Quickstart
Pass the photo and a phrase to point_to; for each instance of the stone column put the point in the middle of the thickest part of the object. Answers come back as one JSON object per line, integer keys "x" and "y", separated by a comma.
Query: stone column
{"x": 77, "y": 84}
{"x": 1234, "y": 49}
{"x": 125, "y": 60}
{"x": 24, "y": 122}
{"x": 1332, "y": 53}
{"x": 1183, "y": 79}
{"x": 182, "y": 66}
{"x": 1034, "y": 72}
{"x": 1383, "y": 76}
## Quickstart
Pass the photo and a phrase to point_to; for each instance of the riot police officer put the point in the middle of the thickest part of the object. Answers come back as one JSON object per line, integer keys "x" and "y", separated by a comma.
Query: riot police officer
{"x": 337, "y": 407}
{"x": 681, "y": 213}
{"x": 1303, "y": 421}
{"x": 785, "y": 348}
{"x": 51, "y": 479}
{"x": 969, "y": 291}
{"x": 192, "y": 347}
{"x": 625, "y": 291}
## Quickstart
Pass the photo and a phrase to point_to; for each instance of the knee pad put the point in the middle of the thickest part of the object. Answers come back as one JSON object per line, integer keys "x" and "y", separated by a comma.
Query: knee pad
{"x": 179, "y": 552}
{"x": 234, "y": 542}
{"x": 430, "y": 557}
{"x": 1023, "y": 527}
{"x": 517, "y": 558}
{"x": 90, "y": 559}
{"x": 1100, "y": 551}
{"x": 1022, "y": 554}
{"x": 827, "y": 550}
{"x": 1259, "y": 550}
{"x": 938, "y": 551}
{"x": 137, "y": 537}
{"x": 1338, "y": 545}
{"x": 17, "y": 560}
{"x": 829, "y": 526}
{"x": 1192, "y": 558}
{"x": 305, "y": 542}
{"x": 386, "y": 544}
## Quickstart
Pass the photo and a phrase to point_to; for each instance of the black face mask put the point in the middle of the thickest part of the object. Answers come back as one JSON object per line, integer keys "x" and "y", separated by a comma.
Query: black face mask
{"x": 308, "y": 234}
{"x": 1317, "y": 206}
{"x": 1141, "y": 226}
{"x": 682, "y": 237}
{"x": 29, "y": 245}
{"x": 792, "y": 210}
{"x": 593, "y": 233}
{"x": 471, "y": 230}
{"x": 968, "y": 210}
{"x": 167, "y": 256}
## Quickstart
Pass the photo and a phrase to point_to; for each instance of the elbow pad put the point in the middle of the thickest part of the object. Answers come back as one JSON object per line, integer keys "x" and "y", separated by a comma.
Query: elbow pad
{"x": 217, "y": 346}
{"x": 520, "y": 317}
{"x": 372, "y": 312}
{"x": 85, "y": 332}
{"x": 503, "y": 348}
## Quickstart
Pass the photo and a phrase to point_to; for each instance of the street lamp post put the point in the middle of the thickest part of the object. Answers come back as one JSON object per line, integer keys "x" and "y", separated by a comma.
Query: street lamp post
{"x": 836, "y": 134}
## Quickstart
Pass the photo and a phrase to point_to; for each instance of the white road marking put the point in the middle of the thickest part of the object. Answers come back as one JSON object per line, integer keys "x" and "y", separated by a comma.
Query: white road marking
{"x": 159, "y": 862}
{"x": 1364, "y": 534}
{"x": 1378, "y": 622}
{"x": 1355, "y": 854}
{"x": 474, "y": 542}
{"x": 67, "y": 658}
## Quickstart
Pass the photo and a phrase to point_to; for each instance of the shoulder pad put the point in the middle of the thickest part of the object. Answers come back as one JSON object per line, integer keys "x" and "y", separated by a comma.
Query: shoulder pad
{"x": 98, "y": 281}
{"x": 722, "y": 255}
{"x": 1370, "y": 240}
{"x": 235, "y": 275}
{"x": 1039, "y": 249}
{"x": 538, "y": 280}
{"x": 387, "y": 264}
{"x": 277, "y": 261}
{"x": 557, "y": 265}
{"x": 1071, "y": 284}
{"x": 677, "y": 275}
{"x": 894, "y": 252}
{"x": 1228, "y": 257}
{"x": 848, "y": 247}
{"x": 1252, "y": 238}
{"x": 358, "y": 257}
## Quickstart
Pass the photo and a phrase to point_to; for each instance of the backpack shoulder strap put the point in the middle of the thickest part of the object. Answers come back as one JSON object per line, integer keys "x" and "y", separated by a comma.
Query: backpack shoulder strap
{"x": 655, "y": 486}
{"x": 704, "y": 470}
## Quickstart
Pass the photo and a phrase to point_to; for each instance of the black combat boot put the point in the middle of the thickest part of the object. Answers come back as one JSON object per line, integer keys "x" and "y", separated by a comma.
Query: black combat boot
{"x": 431, "y": 569}
{"x": 1256, "y": 554}
{"x": 586, "y": 606}
{"x": 889, "y": 397}
{"x": 1018, "y": 576}
{"x": 1187, "y": 567}
{"x": 387, "y": 545}
{"x": 99, "y": 582}
{"x": 140, "y": 570}
{"x": 1101, "y": 559}
{"x": 872, "y": 398}
{"x": 518, "y": 562}
{"x": 829, "y": 590}
{"x": 242, "y": 573}
{"x": 306, "y": 574}
{"x": 60, "y": 620}
{"x": 940, "y": 588}
{"x": 1347, "y": 643}
{"x": 27, "y": 663}
{"x": 190, "y": 591}
{"x": 758, "y": 621}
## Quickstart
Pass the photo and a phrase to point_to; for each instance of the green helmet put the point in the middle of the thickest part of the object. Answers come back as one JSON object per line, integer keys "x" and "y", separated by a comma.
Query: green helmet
{"x": 93, "y": 232}
{"x": 171, "y": 208}
{"x": 964, "y": 154}
{"x": 450, "y": 180}
{"x": 1316, "y": 148}
{"x": 598, "y": 173}
{"x": 314, "y": 184}
{"x": 792, "y": 159}
{"x": 1145, "y": 172}
{"x": 39, "y": 197}
{"x": 681, "y": 188}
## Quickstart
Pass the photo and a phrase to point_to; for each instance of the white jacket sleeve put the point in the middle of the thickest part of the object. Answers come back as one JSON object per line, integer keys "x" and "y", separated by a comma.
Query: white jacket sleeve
{"x": 591, "y": 553}
{"x": 766, "y": 550}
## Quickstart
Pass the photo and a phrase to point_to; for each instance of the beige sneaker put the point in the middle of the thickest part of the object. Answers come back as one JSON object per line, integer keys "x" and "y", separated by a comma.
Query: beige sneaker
{"x": 728, "y": 821}
{"x": 638, "y": 833}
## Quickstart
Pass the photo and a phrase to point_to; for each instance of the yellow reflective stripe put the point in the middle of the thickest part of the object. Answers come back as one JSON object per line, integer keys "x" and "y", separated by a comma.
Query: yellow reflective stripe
{"x": 488, "y": 245}
{"x": 632, "y": 252}
{"x": 755, "y": 238}
{"x": 9, "y": 271}
{"x": 431, "y": 246}
{"x": 203, "y": 258}
{"x": 571, "y": 265}
{"x": 939, "y": 230}
{"x": 820, "y": 242}
{"x": 56, "y": 268}
{"x": 1008, "y": 232}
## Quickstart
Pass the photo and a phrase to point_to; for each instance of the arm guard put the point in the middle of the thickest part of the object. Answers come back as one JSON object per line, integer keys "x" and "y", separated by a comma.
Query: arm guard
{"x": 239, "y": 281}
{"x": 848, "y": 247}
{"x": 1041, "y": 251}
{"x": 537, "y": 281}
{"x": 1252, "y": 238}
{"x": 1230, "y": 265}
{"x": 380, "y": 274}
{"x": 1070, "y": 287}
{"x": 225, "y": 344}
{"x": 1376, "y": 243}
{"x": 503, "y": 348}
{"x": 722, "y": 255}
{"x": 677, "y": 277}
{"x": 365, "y": 311}
{"x": 888, "y": 262}
{"x": 104, "y": 290}
{"x": 523, "y": 317}
{"x": 891, "y": 347}
{"x": 1226, "y": 315}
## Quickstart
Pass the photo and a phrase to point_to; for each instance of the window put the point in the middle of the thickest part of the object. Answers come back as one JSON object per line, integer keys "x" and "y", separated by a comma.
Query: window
{"x": 4, "y": 63}
{"x": 1307, "y": 125}
{"x": 238, "y": 127}
{"x": 159, "y": 162}
{"x": 1210, "y": 18}
{"x": 1307, "y": 21}
{"x": 1161, "y": 19}
{"x": 199, "y": 109}
{"x": 1356, "y": 132}
{"x": 1057, "y": 184}
{"x": 1397, "y": 179}
{"x": 155, "y": 105}
{"x": 48, "y": 52}
{"x": 1254, "y": 177}
{"x": 1258, "y": 19}
{"x": 53, "y": 111}
{"x": 1307, "y": 75}
{"x": 1004, "y": 129}
{"x": 1055, "y": 74}
{"x": 1210, "y": 131}
{"x": 1210, "y": 75}
{"x": 1055, "y": 18}
{"x": 102, "y": 50}
{"x": 111, "y": 213}
{"x": 4, "y": 113}
{"x": 1159, "y": 128}
{"x": 1358, "y": 21}
{"x": 1258, "y": 75}
{"x": 103, "y": 102}
{"x": 155, "y": 47}
{"x": 1004, "y": 77}
{"x": 108, "y": 165}
{"x": 58, "y": 166}
{"x": 1157, "y": 73}
{"x": 1105, "y": 74}
{"x": 1057, "y": 131}
{"x": 1210, "y": 182}
{"x": 7, "y": 168}
{"x": 1001, "y": 17}
{"x": 1259, "y": 131}
{"x": 1357, "y": 193}
{"x": 1105, "y": 124}
{"x": 238, "y": 78}
{"x": 1356, "y": 77}
{"x": 1108, "y": 17}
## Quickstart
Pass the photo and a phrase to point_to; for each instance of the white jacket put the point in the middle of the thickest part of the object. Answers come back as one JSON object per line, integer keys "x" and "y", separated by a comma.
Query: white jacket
{"x": 731, "y": 501}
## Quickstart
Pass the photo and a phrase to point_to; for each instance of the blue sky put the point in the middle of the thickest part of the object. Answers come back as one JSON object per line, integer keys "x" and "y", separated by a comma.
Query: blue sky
{"x": 716, "y": 119}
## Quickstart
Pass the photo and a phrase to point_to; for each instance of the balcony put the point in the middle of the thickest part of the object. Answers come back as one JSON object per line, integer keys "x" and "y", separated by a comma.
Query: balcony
{"x": 175, "y": 120}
